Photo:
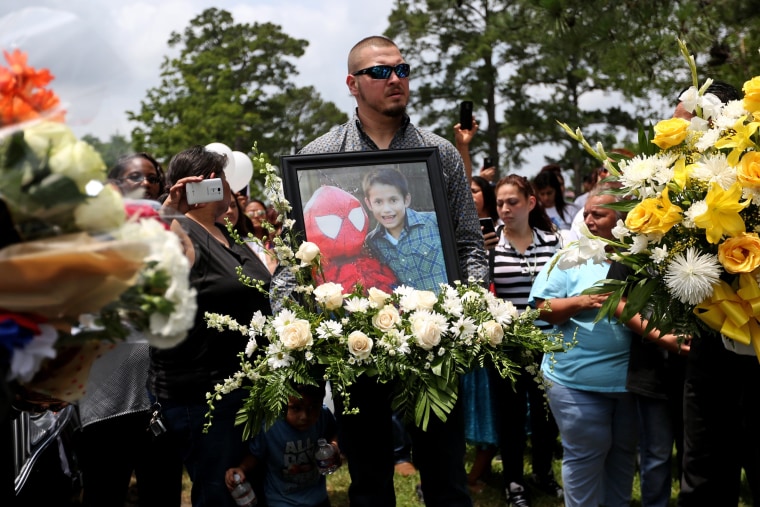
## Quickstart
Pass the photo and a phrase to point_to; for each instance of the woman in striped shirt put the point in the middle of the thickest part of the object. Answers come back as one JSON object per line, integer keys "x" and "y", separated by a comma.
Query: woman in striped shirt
{"x": 527, "y": 241}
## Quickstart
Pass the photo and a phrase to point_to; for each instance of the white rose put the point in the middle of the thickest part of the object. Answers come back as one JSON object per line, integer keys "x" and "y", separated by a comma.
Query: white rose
{"x": 307, "y": 252}
{"x": 377, "y": 297}
{"x": 46, "y": 137}
{"x": 78, "y": 161}
{"x": 296, "y": 335}
{"x": 104, "y": 212}
{"x": 329, "y": 295}
{"x": 359, "y": 344}
{"x": 493, "y": 331}
{"x": 386, "y": 319}
{"x": 426, "y": 331}
{"x": 426, "y": 300}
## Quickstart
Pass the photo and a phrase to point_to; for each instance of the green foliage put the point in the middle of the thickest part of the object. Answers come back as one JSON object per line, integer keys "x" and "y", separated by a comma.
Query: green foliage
{"x": 231, "y": 83}
{"x": 113, "y": 149}
{"x": 529, "y": 63}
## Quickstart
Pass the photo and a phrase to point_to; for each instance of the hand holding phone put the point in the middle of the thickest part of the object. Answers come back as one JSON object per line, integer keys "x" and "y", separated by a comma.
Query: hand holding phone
{"x": 204, "y": 191}
{"x": 487, "y": 226}
{"x": 465, "y": 115}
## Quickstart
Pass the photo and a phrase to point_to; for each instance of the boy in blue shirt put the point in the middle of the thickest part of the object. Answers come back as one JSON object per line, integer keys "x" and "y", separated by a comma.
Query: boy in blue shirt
{"x": 291, "y": 476}
{"x": 408, "y": 241}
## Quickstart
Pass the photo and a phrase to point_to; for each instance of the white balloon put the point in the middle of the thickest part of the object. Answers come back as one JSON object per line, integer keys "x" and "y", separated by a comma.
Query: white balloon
{"x": 223, "y": 149}
{"x": 243, "y": 171}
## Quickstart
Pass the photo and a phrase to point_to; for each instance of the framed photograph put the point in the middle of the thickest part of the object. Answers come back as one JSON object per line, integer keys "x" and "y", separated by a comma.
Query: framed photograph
{"x": 379, "y": 217}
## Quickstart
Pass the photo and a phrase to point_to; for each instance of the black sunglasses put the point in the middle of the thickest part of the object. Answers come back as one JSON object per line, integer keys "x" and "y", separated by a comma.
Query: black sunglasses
{"x": 384, "y": 71}
{"x": 140, "y": 177}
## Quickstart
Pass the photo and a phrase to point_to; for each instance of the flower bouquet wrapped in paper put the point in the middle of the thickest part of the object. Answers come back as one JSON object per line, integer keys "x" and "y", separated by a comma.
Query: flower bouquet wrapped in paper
{"x": 418, "y": 340}
{"x": 74, "y": 271}
{"x": 691, "y": 232}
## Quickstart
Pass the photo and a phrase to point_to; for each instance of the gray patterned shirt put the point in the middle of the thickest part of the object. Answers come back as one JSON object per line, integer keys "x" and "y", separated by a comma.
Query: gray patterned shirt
{"x": 469, "y": 239}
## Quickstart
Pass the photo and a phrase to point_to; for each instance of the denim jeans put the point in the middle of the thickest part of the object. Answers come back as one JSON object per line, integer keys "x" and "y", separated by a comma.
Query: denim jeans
{"x": 599, "y": 436}
{"x": 655, "y": 450}
{"x": 207, "y": 456}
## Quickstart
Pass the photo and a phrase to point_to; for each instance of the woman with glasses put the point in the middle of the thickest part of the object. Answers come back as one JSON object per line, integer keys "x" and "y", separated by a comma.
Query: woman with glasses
{"x": 139, "y": 176}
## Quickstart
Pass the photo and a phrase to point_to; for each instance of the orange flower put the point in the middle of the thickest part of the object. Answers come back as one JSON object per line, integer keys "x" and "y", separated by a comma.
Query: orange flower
{"x": 22, "y": 90}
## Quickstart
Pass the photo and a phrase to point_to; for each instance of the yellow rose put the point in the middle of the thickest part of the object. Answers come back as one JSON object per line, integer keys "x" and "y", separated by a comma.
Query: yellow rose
{"x": 329, "y": 295}
{"x": 386, "y": 319}
{"x": 669, "y": 133}
{"x": 296, "y": 335}
{"x": 360, "y": 345}
{"x": 641, "y": 218}
{"x": 740, "y": 254}
{"x": 748, "y": 171}
{"x": 493, "y": 332}
{"x": 752, "y": 95}
{"x": 104, "y": 212}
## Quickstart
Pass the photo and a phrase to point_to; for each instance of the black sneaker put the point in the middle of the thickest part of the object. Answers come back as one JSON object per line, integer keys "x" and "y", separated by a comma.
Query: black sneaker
{"x": 517, "y": 496}
{"x": 420, "y": 496}
{"x": 549, "y": 486}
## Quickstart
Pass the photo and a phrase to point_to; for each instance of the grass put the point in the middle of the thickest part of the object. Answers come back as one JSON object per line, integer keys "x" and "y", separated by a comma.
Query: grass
{"x": 492, "y": 495}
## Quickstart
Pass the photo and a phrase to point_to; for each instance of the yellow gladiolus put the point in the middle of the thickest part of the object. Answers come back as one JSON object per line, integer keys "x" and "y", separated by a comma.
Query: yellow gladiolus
{"x": 669, "y": 133}
{"x": 722, "y": 215}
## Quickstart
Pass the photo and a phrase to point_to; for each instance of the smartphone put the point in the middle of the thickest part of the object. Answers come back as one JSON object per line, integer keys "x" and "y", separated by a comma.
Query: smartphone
{"x": 487, "y": 225}
{"x": 465, "y": 115}
{"x": 487, "y": 162}
{"x": 205, "y": 191}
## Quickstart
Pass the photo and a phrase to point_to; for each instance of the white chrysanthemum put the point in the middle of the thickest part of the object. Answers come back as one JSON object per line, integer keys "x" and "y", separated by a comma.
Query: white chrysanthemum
{"x": 659, "y": 254}
{"x": 282, "y": 319}
{"x": 620, "y": 231}
{"x": 714, "y": 168}
{"x": 357, "y": 305}
{"x": 730, "y": 114}
{"x": 502, "y": 311}
{"x": 696, "y": 209}
{"x": 647, "y": 176}
{"x": 464, "y": 327}
{"x": 277, "y": 357}
{"x": 329, "y": 329}
{"x": 707, "y": 140}
{"x": 453, "y": 305}
{"x": 751, "y": 194}
{"x": 690, "y": 277}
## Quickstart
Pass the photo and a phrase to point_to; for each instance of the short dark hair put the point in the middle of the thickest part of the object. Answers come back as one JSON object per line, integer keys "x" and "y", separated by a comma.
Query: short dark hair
{"x": 195, "y": 161}
{"x": 386, "y": 176}
{"x": 116, "y": 172}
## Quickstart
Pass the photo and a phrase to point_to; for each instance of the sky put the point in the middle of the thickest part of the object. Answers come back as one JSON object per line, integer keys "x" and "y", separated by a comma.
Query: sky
{"x": 106, "y": 54}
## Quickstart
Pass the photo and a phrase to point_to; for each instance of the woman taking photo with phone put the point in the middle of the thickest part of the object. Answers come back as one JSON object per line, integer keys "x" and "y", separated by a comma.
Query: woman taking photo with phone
{"x": 181, "y": 376}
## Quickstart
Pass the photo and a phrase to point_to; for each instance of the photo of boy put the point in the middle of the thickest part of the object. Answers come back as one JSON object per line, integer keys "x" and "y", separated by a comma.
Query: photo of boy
{"x": 406, "y": 240}
{"x": 286, "y": 453}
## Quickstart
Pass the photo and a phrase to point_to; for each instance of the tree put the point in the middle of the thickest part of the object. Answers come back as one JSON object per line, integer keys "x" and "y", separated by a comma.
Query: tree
{"x": 230, "y": 84}
{"x": 605, "y": 66}
{"x": 112, "y": 149}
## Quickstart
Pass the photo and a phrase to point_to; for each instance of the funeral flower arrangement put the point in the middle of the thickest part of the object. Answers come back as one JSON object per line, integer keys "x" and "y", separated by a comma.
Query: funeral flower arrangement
{"x": 691, "y": 233}
{"x": 419, "y": 340}
{"x": 75, "y": 269}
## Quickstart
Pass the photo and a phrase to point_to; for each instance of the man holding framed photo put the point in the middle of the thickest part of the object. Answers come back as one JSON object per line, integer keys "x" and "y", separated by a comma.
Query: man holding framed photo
{"x": 378, "y": 78}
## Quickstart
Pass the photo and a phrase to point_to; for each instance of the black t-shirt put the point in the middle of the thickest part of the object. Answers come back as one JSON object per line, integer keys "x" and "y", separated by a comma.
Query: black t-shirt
{"x": 207, "y": 356}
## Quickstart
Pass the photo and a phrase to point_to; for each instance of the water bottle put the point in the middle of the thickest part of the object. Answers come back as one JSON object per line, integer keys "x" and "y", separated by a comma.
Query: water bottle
{"x": 243, "y": 493}
{"x": 327, "y": 458}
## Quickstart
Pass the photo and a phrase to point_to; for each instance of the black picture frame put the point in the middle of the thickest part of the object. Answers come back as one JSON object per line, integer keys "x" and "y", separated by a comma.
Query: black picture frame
{"x": 304, "y": 175}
